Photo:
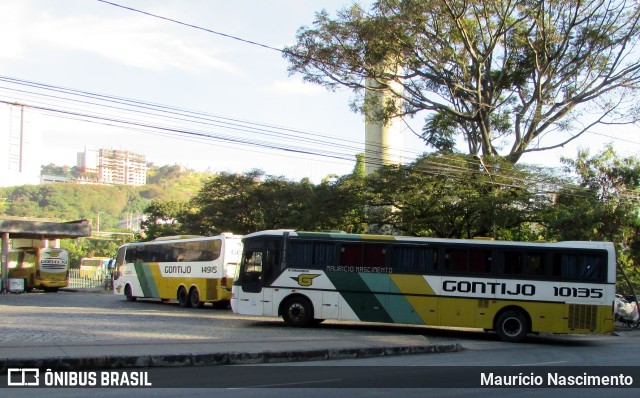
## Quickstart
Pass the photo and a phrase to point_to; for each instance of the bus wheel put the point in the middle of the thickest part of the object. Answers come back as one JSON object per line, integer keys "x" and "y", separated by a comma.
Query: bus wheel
{"x": 183, "y": 297}
{"x": 512, "y": 326}
{"x": 297, "y": 311}
{"x": 128, "y": 294}
{"x": 194, "y": 298}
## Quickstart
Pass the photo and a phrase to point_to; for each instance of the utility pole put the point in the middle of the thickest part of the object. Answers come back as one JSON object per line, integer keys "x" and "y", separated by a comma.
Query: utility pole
{"x": 21, "y": 138}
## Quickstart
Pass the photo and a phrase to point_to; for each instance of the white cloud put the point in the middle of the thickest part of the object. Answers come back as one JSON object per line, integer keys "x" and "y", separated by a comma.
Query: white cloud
{"x": 132, "y": 40}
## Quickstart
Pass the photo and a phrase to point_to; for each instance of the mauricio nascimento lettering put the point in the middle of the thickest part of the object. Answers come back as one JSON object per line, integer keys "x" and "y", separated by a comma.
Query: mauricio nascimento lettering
{"x": 555, "y": 379}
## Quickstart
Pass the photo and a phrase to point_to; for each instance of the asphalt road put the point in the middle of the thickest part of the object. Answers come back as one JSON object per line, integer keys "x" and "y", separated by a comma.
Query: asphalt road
{"x": 70, "y": 316}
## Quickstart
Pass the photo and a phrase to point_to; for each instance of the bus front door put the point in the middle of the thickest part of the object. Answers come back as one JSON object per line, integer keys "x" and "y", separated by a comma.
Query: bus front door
{"x": 251, "y": 299}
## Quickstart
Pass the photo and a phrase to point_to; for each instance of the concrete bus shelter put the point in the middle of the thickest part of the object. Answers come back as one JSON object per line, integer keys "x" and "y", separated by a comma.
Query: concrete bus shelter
{"x": 25, "y": 228}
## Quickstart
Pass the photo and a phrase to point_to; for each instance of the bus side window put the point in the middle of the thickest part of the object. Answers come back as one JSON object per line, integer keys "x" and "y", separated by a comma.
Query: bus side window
{"x": 300, "y": 253}
{"x": 513, "y": 263}
{"x": 253, "y": 262}
{"x": 406, "y": 259}
{"x": 351, "y": 254}
{"x": 456, "y": 260}
{"x": 479, "y": 261}
{"x": 323, "y": 254}
{"x": 590, "y": 268}
{"x": 565, "y": 266}
{"x": 375, "y": 255}
{"x": 535, "y": 264}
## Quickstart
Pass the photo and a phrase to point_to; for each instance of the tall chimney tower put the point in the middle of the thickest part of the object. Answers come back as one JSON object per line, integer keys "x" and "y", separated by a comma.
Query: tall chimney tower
{"x": 384, "y": 142}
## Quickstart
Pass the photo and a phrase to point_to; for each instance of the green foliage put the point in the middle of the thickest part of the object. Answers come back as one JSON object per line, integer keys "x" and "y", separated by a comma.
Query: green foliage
{"x": 443, "y": 195}
{"x": 91, "y": 247}
{"x": 106, "y": 203}
{"x": 162, "y": 218}
{"x": 438, "y": 195}
{"x": 602, "y": 205}
{"x": 63, "y": 171}
{"x": 252, "y": 201}
{"x": 172, "y": 183}
{"x": 499, "y": 74}
{"x": 68, "y": 202}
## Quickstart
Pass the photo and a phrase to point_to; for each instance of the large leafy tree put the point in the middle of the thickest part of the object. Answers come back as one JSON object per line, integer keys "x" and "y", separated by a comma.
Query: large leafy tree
{"x": 602, "y": 205}
{"x": 500, "y": 73}
{"x": 442, "y": 195}
{"x": 252, "y": 201}
{"x": 163, "y": 218}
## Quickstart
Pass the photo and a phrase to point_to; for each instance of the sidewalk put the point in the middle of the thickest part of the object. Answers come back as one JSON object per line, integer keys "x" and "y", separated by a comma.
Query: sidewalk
{"x": 209, "y": 352}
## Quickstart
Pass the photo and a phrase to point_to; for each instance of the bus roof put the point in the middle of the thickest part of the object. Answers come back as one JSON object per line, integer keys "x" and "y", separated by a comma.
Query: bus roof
{"x": 337, "y": 235}
{"x": 193, "y": 238}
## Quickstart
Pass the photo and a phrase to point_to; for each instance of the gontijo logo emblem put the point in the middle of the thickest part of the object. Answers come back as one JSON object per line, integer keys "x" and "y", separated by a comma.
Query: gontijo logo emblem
{"x": 305, "y": 279}
{"x": 55, "y": 253}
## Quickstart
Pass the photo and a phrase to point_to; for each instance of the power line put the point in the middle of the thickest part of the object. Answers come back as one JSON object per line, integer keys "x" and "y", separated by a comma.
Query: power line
{"x": 198, "y": 27}
{"x": 134, "y": 114}
{"x": 177, "y": 115}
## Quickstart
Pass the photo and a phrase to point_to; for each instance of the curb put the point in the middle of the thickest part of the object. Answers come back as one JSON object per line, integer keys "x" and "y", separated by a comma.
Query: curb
{"x": 224, "y": 358}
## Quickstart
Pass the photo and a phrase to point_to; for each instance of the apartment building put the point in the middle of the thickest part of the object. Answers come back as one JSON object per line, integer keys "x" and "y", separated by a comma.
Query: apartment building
{"x": 114, "y": 166}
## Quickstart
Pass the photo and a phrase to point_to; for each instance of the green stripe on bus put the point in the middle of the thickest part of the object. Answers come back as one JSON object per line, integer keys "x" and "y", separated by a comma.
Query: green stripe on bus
{"x": 366, "y": 306}
{"x": 399, "y": 307}
{"x": 147, "y": 282}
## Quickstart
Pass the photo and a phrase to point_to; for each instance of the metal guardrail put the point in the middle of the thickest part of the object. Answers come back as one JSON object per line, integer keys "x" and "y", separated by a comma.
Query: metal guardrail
{"x": 97, "y": 280}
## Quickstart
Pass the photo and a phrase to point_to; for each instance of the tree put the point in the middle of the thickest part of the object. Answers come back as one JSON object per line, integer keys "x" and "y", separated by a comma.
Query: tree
{"x": 339, "y": 204}
{"x": 447, "y": 196}
{"x": 227, "y": 203}
{"x": 89, "y": 247}
{"x": 163, "y": 218}
{"x": 500, "y": 73}
{"x": 602, "y": 205}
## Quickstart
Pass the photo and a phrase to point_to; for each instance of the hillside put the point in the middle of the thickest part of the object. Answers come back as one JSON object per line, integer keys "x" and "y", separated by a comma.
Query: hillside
{"x": 108, "y": 203}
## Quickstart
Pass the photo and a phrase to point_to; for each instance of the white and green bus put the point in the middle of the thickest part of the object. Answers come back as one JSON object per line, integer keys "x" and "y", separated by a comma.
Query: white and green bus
{"x": 193, "y": 271}
{"x": 513, "y": 288}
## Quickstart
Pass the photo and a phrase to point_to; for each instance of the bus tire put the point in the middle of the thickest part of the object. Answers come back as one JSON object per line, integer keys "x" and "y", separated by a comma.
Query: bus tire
{"x": 512, "y": 326}
{"x": 128, "y": 294}
{"x": 297, "y": 311}
{"x": 194, "y": 298}
{"x": 183, "y": 297}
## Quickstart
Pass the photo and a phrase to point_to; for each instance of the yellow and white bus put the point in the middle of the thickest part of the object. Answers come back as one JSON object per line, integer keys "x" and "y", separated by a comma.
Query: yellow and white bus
{"x": 94, "y": 268}
{"x": 41, "y": 268}
{"x": 513, "y": 288}
{"x": 193, "y": 271}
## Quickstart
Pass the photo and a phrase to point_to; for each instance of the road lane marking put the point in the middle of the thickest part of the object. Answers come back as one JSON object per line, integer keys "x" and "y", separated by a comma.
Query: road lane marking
{"x": 540, "y": 363}
{"x": 285, "y": 384}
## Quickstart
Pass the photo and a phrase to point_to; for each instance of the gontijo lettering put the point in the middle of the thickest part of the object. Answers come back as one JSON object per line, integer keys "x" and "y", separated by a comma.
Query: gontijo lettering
{"x": 516, "y": 289}
{"x": 177, "y": 269}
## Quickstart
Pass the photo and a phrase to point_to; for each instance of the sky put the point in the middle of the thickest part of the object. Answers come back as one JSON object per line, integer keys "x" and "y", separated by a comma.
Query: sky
{"x": 227, "y": 105}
